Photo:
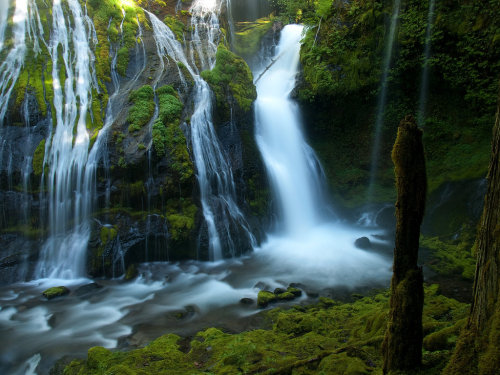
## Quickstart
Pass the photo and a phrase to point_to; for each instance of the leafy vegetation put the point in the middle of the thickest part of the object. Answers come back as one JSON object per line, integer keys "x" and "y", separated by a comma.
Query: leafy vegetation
{"x": 249, "y": 34}
{"x": 342, "y": 60}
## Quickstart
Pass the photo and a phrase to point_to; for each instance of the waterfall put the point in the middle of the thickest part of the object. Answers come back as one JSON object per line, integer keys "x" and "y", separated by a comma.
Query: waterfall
{"x": 4, "y": 12}
{"x": 70, "y": 196}
{"x": 382, "y": 99}
{"x": 424, "y": 88}
{"x": 309, "y": 244}
{"x": 291, "y": 164}
{"x": 11, "y": 66}
{"x": 224, "y": 220}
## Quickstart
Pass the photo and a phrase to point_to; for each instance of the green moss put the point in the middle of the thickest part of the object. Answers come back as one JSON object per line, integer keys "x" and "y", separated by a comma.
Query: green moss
{"x": 249, "y": 34}
{"x": 177, "y": 27}
{"x": 231, "y": 76}
{"x": 122, "y": 61}
{"x": 38, "y": 158}
{"x": 142, "y": 108}
{"x": 334, "y": 338}
{"x": 265, "y": 297}
{"x": 452, "y": 257}
{"x": 107, "y": 234}
{"x": 180, "y": 215}
{"x": 57, "y": 291}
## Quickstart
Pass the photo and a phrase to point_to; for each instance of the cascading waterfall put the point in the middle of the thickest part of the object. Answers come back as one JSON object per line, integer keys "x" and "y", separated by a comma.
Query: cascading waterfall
{"x": 4, "y": 12}
{"x": 310, "y": 244}
{"x": 218, "y": 193}
{"x": 11, "y": 66}
{"x": 424, "y": 87}
{"x": 290, "y": 162}
{"x": 62, "y": 255}
{"x": 382, "y": 99}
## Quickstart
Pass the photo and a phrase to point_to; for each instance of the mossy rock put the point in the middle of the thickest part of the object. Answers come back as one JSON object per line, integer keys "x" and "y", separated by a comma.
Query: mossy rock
{"x": 131, "y": 273}
{"x": 286, "y": 296}
{"x": 57, "y": 291}
{"x": 230, "y": 78}
{"x": 265, "y": 297}
{"x": 38, "y": 158}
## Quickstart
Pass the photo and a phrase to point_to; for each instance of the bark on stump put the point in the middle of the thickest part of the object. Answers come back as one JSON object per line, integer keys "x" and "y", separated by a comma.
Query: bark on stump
{"x": 402, "y": 347}
{"x": 478, "y": 347}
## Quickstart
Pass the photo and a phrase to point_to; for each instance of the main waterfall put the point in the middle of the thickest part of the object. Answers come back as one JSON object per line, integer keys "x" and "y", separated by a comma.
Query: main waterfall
{"x": 291, "y": 165}
{"x": 309, "y": 244}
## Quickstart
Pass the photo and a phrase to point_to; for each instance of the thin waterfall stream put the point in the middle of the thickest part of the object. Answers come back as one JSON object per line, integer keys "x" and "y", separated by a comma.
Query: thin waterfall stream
{"x": 382, "y": 99}
{"x": 424, "y": 85}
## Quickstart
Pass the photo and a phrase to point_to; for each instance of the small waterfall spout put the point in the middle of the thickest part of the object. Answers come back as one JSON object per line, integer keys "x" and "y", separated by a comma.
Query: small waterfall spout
{"x": 290, "y": 162}
{"x": 382, "y": 99}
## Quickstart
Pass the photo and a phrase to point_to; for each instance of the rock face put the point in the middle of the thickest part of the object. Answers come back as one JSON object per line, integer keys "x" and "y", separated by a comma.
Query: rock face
{"x": 146, "y": 205}
{"x": 402, "y": 347}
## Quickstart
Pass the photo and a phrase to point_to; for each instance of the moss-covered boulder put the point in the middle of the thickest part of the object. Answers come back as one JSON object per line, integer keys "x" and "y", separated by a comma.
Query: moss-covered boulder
{"x": 231, "y": 81}
{"x": 265, "y": 297}
{"x": 57, "y": 291}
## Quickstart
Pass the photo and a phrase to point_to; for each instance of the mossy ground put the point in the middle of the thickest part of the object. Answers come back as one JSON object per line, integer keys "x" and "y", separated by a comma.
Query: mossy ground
{"x": 330, "y": 337}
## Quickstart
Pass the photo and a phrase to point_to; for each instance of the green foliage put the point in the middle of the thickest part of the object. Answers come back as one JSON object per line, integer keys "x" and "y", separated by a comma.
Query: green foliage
{"x": 328, "y": 338}
{"x": 38, "y": 158}
{"x": 249, "y": 34}
{"x": 142, "y": 108}
{"x": 231, "y": 76}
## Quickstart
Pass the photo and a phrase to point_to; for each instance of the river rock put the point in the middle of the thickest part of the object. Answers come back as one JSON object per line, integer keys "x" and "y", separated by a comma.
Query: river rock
{"x": 363, "y": 243}
{"x": 57, "y": 291}
{"x": 246, "y": 301}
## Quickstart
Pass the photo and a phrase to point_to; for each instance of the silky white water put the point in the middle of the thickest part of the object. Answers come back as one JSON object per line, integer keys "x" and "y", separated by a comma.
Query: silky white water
{"x": 4, "y": 12}
{"x": 63, "y": 254}
{"x": 223, "y": 217}
{"x": 308, "y": 244}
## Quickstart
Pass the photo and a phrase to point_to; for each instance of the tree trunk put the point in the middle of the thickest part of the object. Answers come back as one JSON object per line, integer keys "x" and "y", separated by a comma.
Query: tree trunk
{"x": 478, "y": 348}
{"x": 402, "y": 347}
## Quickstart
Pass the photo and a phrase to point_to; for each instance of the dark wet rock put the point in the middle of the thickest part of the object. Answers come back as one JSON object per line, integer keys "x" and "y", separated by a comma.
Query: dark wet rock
{"x": 261, "y": 285}
{"x": 279, "y": 291}
{"x": 247, "y": 301}
{"x": 57, "y": 291}
{"x": 131, "y": 273}
{"x": 363, "y": 243}
{"x": 295, "y": 291}
{"x": 188, "y": 312}
{"x": 86, "y": 290}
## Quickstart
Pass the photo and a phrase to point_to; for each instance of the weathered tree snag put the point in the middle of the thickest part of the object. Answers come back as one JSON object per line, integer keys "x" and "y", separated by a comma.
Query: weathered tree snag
{"x": 402, "y": 347}
{"x": 478, "y": 348}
